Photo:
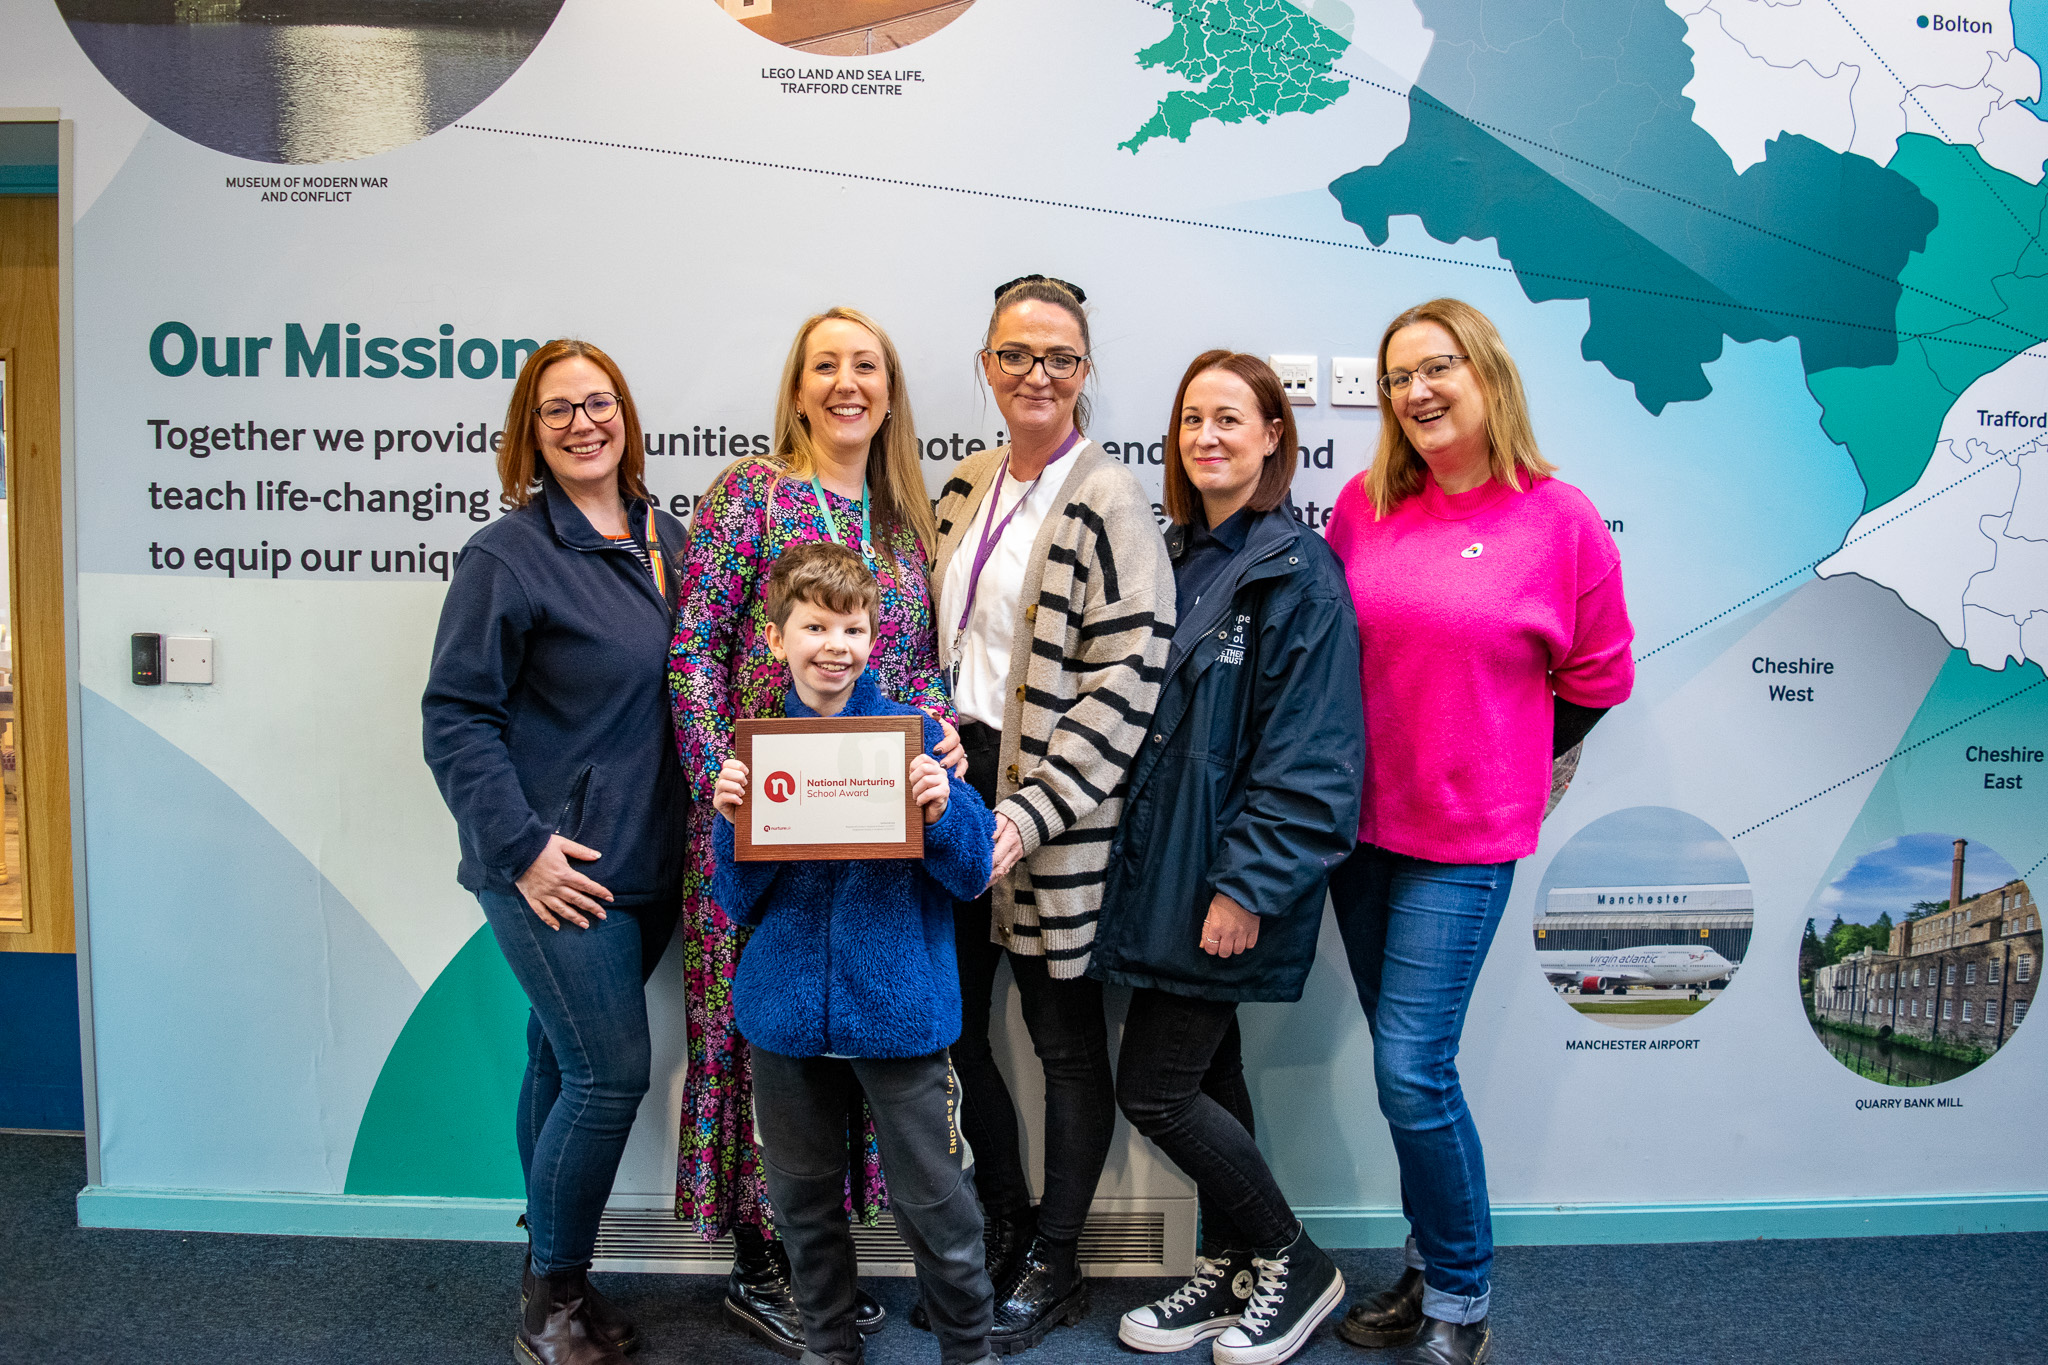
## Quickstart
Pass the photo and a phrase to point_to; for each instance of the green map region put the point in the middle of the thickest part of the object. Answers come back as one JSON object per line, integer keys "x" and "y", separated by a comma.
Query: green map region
{"x": 1252, "y": 59}
{"x": 1976, "y": 297}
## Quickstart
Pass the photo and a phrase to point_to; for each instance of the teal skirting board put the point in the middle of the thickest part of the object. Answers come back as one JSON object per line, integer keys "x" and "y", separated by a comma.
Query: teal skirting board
{"x": 492, "y": 1220}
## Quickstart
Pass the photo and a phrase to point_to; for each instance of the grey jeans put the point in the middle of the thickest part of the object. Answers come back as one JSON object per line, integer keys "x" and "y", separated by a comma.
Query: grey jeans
{"x": 801, "y": 1108}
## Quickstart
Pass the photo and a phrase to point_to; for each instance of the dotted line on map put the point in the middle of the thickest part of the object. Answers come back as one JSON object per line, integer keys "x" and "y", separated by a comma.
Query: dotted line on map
{"x": 1300, "y": 56}
{"x": 1975, "y": 167}
{"x": 1141, "y": 216}
{"x": 1896, "y": 753}
{"x": 1808, "y": 568}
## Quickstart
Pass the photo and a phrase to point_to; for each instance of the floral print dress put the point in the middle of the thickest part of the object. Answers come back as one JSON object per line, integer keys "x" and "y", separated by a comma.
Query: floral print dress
{"x": 720, "y": 671}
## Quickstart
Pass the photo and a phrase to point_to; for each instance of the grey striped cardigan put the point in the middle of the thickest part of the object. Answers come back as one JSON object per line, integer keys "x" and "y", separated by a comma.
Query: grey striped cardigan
{"x": 1086, "y": 657}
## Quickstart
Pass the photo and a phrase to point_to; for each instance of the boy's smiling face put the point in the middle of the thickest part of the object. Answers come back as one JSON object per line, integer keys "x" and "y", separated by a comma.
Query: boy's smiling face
{"x": 826, "y": 651}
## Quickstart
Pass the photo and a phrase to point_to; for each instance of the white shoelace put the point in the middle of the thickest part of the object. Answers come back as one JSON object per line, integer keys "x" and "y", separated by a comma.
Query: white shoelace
{"x": 1266, "y": 1295}
{"x": 1207, "y": 1273}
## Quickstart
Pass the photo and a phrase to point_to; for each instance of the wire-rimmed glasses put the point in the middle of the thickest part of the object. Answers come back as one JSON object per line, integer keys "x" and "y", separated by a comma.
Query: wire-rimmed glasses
{"x": 1432, "y": 368}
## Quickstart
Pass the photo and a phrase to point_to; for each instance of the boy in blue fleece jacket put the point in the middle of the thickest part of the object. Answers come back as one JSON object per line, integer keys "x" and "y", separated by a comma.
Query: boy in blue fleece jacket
{"x": 848, "y": 988}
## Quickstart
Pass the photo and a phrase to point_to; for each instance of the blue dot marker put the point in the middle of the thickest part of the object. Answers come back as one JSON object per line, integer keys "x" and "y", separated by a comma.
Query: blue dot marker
{"x": 1923, "y": 21}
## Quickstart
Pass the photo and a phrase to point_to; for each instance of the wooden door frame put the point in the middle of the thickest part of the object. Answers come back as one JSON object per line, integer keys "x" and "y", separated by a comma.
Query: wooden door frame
{"x": 58, "y": 591}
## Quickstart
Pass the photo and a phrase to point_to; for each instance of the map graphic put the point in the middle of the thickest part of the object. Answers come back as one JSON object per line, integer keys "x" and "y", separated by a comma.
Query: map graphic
{"x": 1252, "y": 59}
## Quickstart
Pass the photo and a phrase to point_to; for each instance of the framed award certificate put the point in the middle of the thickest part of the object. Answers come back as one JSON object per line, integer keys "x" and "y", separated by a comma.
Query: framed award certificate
{"x": 829, "y": 787}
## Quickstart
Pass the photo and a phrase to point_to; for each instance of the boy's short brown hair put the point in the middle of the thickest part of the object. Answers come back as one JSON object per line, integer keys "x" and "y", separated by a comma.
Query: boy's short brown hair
{"x": 825, "y": 575}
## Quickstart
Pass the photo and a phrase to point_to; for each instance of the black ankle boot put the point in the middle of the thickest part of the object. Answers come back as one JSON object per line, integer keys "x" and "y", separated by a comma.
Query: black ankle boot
{"x": 1004, "y": 1240}
{"x": 1043, "y": 1290}
{"x": 760, "y": 1298}
{"x": 553, "y": 1328}
{"x": 1448, "y": 1343}
{"x": 602, "y": 1318}
{"x": 1392, "y": 1317}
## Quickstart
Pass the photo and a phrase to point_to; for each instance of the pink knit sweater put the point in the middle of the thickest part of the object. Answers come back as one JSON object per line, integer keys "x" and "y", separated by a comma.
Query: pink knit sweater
{"x": 1473, "y": 608}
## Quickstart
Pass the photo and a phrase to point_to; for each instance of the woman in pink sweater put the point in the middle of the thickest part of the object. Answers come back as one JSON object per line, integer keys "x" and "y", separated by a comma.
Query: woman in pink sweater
{"x": 1493, "y": 636}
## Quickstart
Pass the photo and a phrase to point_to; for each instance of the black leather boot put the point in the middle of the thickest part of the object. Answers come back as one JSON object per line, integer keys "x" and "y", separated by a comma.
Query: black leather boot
{"x": 1044, "y": 1290}
{"x": 1392, "y": 1317}
{"x": 1447, "y": 1343}
{"x": 1004, "y": 1239}
{"x": 553, "y": 1329}
{"x": 602, "y": 1318}
{"x": 760, "y": 1299}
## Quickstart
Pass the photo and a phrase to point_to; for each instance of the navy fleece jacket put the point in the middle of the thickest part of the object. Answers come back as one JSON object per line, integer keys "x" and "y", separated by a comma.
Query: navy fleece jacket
{"x": 546, "y": 708}
{"x": 854, "y": 957}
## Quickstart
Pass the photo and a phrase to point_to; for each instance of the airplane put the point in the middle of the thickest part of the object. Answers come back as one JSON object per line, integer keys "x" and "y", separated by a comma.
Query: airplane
{"x": 1621, "y": 968}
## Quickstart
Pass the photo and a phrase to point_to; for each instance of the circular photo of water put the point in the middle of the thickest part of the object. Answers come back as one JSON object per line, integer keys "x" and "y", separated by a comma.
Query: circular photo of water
{"x": 1920, "y": 958}
{"x": 1643, "y": 918}
{"x": 838, "y": 28}
{"x": 301, "y": 82}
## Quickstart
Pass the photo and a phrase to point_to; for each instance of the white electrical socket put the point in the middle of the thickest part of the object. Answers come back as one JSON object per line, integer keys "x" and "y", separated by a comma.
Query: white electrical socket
{"x": 1297, "y": 377}
{"x": 1352, "y": 383}
{"x": 188, "y": 658}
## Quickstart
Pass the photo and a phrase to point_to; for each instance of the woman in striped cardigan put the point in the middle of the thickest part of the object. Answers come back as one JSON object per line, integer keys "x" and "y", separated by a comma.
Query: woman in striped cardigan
{"x": 1056, "y": 606}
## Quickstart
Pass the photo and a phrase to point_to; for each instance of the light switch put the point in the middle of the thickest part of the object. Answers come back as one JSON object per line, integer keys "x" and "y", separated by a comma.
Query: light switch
{"x": 188, "y": 658}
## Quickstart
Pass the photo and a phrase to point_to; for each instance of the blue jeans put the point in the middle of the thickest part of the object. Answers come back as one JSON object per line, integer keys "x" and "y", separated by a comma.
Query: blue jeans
{"x": 1416, "y": 932}
{"x": 587, "y": 1059}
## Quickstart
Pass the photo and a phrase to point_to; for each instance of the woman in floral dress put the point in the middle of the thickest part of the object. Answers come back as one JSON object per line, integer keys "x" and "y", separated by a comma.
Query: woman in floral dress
{"x": 845, "y": 469}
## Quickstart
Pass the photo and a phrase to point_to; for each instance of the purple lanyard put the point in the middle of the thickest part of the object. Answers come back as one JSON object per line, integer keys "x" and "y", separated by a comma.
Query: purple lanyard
{"x": 992, "y": 530}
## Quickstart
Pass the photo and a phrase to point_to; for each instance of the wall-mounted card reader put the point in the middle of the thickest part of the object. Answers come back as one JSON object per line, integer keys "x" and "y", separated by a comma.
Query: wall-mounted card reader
{"x": 146, "y": 651}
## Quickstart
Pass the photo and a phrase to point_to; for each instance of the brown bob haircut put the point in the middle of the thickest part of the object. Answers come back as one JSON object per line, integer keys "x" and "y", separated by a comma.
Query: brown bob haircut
{"x": 1397, "y": 468}
{"x": 519, "y": 458}
{"x": 1183, "y": 503}
{"x": 825, "y": 574}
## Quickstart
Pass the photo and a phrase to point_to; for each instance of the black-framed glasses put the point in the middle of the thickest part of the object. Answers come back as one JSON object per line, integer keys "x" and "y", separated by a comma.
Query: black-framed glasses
{"x": 1058, "y": 364}
{"x": 557, "y": 413}
{"x": 1432, "y": 368}
{"x": 1080, "y": 295}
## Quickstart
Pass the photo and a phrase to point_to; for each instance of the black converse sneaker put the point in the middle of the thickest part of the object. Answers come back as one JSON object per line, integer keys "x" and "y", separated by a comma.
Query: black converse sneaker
{"x": 1204, "y": 1307}
{"x": 1297, "y": 1288}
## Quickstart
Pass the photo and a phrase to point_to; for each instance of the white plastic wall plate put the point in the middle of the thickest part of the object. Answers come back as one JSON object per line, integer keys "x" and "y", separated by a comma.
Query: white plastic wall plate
{"x": 188, "y": 658}
{"x": 1352, "y": 383}
{"x": 1297, "y": 376}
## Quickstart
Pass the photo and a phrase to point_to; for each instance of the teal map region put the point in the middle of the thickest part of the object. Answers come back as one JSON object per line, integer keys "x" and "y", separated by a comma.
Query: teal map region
{"x": 1985, "y": 258}
{"x": 1561, "y": 132}
{"x": 1252, "y": 59}
{"x": 2030, "y": 35}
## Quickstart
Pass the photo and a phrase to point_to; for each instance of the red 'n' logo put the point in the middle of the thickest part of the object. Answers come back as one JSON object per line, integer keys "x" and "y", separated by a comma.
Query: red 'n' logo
{"x": 778, "y": 787}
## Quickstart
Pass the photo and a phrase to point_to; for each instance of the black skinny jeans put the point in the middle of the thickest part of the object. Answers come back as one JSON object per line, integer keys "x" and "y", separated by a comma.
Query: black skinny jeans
{"x": 1071, "y": 1040}
{"x": 1180, "y": 1081}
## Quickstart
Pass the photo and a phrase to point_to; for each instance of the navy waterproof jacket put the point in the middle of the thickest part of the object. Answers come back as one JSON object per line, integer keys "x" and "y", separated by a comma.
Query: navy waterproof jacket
{"x": 547, "y": 707}
{"x": 854, "y": 957}
{"x": 1249, "y": 781}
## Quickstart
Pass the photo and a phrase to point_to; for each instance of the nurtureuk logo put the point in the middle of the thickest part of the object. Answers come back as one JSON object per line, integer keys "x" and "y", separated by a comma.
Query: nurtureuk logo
{"x": 337, "y": 351}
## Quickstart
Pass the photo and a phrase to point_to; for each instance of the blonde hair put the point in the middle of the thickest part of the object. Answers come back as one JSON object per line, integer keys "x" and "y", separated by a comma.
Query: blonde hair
{"x": 824, "y": 574}
{"x": 1397, "y": 468}
{"x": 895, "y": 474}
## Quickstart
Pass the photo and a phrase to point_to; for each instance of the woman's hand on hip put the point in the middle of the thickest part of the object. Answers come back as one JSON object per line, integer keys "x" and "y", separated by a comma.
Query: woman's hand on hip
{"x": 556, "y": 891}
{"x": 951, "y": 752}
{"x": 1228, "y": 928}
{"x": 1009, "y": 847}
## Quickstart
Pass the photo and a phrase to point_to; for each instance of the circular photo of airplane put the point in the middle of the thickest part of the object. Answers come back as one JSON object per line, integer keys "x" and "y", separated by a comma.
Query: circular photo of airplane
{"x": 1643, "y": 918}
{"x": 844, "y": 28}
{"x": 302, "y": 82}
{"x": 1920, "y": 958}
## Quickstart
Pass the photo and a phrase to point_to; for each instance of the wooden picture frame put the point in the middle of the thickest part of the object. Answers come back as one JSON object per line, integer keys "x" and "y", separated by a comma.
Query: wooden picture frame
{"x": 813, "y": 731}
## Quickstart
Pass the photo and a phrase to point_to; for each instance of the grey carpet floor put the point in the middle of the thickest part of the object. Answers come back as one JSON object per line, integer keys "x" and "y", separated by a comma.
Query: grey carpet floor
{"x": 71, "y": 1296}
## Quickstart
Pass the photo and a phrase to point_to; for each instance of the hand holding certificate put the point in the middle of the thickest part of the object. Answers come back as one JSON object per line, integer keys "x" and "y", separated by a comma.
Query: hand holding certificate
{"x": 843, "y": 787}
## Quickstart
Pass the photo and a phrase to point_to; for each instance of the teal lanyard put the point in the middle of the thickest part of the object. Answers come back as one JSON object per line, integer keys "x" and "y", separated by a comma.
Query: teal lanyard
{"x": 832, "y": 522}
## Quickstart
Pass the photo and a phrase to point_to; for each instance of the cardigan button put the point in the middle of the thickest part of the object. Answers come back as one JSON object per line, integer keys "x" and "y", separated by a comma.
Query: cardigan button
{"x": 1031, "y": 612}
{"x": 1013, "y": 774}
{"x": 1020, "y": 691}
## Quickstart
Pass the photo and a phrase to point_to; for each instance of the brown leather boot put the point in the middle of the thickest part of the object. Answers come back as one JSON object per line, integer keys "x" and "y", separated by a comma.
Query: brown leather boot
{"x": 554, "y": 1328}
{"x": 603, "y": 1319}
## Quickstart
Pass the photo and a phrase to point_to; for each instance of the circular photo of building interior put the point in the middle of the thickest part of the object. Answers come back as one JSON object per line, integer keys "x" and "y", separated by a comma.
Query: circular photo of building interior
{"x": 301, "y": 82}
{"x": 1643, "y": 918}
{"x": 1920, "y": 959}
{"x": 844, "y": 28}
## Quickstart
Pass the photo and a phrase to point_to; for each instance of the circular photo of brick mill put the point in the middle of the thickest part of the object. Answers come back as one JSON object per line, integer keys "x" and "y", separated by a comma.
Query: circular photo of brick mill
{"x": 841, "y": 28}
{"x": 302, "y": 82}
{"x": 1919, "y": 960}
{"x": 1643, "y": 918}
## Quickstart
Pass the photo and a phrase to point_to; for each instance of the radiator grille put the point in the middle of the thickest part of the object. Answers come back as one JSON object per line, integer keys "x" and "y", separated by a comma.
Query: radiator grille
{"x": 1114, "y": 1241}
